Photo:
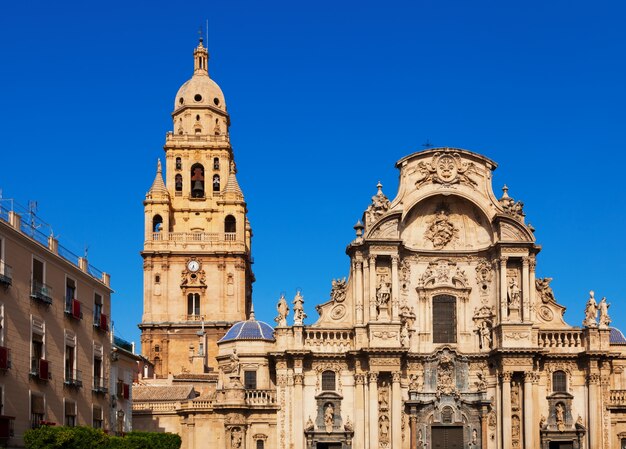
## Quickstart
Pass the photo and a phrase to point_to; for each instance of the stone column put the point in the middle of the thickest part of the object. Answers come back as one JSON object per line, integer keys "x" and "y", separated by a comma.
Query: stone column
{"x": 503, "y": 290}
{"x": 373, "y": 315}
{"x": 298, "y": 422}
{"x": 395, "y": 303}
{"x": 359, "y": 292}
{"x": 396, "y": 411}
{"x": 526, "y": 287}
{"x": 532, "y": 264}
{"x": 528, "y": 410}
{"x": 366, "y": 290}
{"x": 373, "y": 421}
{"x": 595, "y": 414}
{"x": 366, "y": 412}
{"x": 413, "y": 427}
{"x": 506, "y": 409}
{"x": 359, "y": 408}
{"x": 536, "y": 441}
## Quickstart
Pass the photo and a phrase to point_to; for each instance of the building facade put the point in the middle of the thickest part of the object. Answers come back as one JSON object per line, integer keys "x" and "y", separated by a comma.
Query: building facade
{"x": 441, "y": 336}
{"x": 54, "y": 332}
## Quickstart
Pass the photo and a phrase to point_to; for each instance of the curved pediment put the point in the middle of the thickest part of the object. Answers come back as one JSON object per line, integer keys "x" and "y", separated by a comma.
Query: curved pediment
{"x": 387, "y": 228}
{"x": 446, "y": 223}
{"x": 510, "y": 230}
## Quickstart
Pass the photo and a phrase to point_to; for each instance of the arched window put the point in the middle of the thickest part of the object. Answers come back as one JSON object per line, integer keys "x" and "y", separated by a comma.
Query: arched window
{"x": 179, "y": 164}
{"x": 193, "y": 304}
{"x": 260, "y": 444}
{"x": 197, "y": 181}
{"x": 230, "y": 224}
{"x": 216, "y": 163}
{"x": 446, "y": 415}
{"x": 444, "y": 319}
{"x": 559, "y": 381}
{"x": 216, "y": 183}
{"x": 178, "y": 182}
{"x": 328, "y": 381}
{"x": 157, "y": 223}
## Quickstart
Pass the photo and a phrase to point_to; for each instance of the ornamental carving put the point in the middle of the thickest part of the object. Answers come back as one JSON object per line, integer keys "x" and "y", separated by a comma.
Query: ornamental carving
{"x": 443, "y": 272}
{"x": 389, "y": 229}
{"x": 441, "y": 231}
{"x": 338, "y": 290}
{"x": 484, "y": 274}
{"x": 338, "y": 312}
{"x": 510, "y": 206}
{"x": 405, "y": 273}
{"x": 380, "y": 205}
{"x": 445, "y": 375}
{"x": 545, "y": 313}
{"x": 446, "y": 168}
{"x": 544, "y": 291}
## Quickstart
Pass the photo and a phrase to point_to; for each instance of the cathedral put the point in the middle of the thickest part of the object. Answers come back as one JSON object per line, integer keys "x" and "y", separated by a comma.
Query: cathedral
{"x": 441, "y": 336}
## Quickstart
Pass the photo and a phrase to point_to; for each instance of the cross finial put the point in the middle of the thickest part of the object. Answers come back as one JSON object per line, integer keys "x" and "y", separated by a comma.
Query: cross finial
{"x": 427, "y": 144}
{"x": 200, "y": 34}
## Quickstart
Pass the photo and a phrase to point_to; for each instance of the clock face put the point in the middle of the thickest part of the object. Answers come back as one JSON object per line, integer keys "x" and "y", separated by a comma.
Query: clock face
{"x": 193, "y": 265}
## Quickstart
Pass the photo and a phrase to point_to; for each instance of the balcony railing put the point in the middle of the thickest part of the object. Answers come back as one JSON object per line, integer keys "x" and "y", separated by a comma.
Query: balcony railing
{"x": 5, "y": 358}
{"x": 72, "y": 308}
{"x": 260, "y": 397}
{"x": 101, "y": 322}
{"x": 100, "y": 385}
{"x": 563, "y": 339}
{"x": 199, "y": 237}
{"x": 6, "y": 274}
{"x": 41, "y": 292}
{"x": 617, "y": 398}
{"x": 73, "y": 378}
{"x": 330, "y": 340}
{"x": 40, "y": 369}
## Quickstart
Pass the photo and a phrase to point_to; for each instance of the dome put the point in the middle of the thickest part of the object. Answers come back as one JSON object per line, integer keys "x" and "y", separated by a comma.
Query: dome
{"x": 200, "y": 90}
{"x": 249, "y": 330}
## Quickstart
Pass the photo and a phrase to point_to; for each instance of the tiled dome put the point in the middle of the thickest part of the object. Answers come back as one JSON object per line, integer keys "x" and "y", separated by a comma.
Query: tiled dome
{"x": 616, "y": 337}
{"x": 249, "y": 330}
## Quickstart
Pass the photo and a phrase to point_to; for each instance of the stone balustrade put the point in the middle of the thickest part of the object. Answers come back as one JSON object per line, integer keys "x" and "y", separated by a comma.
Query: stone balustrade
{"x": 260, "y": 397}
{"x": 328, "y": 340}
{"x": 564, "y": 339}
{"x": 155, "y": 406}
{"x": 617, "y": 398}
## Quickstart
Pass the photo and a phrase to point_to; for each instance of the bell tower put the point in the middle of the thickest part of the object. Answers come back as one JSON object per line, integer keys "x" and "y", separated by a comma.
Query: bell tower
{"x": 197, "y": 246}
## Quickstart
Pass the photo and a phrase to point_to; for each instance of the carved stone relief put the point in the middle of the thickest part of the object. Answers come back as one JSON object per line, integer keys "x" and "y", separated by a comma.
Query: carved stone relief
{"x": 389, "y": 229}
{"x": 446, "y": 168}
{"x": 338, "y": 290}
{"x": 484, "y": 275}
{"x": 441, "y": 231}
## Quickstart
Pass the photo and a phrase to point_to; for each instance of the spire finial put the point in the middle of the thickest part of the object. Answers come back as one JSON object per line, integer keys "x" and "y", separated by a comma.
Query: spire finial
{"x": 159, "y": 169}
{"x": 505, "y": 190}
{"x": 200, "y": 40}
{"x": 379, "y": 186}
{"x": 252, "y": 317}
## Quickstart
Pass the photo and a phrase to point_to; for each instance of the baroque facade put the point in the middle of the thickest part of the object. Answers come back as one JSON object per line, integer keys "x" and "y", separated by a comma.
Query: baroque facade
{"x": 441, "y": 336}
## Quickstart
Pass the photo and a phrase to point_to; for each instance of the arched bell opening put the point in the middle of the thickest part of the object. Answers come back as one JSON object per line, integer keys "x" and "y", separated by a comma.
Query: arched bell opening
{"x": 197, "y": 181}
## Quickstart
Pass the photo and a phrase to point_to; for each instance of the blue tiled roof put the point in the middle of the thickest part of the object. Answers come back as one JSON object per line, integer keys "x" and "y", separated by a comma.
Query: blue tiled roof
{"x": 616, "y": 337}
{"x": 249, "y": 330}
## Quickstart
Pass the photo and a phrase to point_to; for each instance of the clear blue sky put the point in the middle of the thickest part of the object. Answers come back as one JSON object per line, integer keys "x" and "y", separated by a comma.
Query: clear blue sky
{"x": 324, "y": 98}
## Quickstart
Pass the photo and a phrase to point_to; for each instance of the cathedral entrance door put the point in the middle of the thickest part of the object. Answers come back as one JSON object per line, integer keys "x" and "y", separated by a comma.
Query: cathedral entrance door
{"x": 328, "y": 445}
{"x": 447, "y": 437}
{"x": 561, "y": 445}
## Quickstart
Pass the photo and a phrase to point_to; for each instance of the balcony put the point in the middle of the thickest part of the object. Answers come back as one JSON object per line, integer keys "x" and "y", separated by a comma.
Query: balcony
{"x": 72, "y": 308}
{"x": 260, "y": 397}
{"x": 41, "y": 292}
{"x": 73, "y": 378}
{"x": 329, "y": 340}
{"x": 6, "y": 427}
{"x": 617, "y": 399}
{"x": 564, "y": 340}
{"x": 5, "y": 358}
{"x": 40, "y": 370}
{"x": 100, "y": 385}
{"x": 101, "y": 322}
{"x": 6, "y": 274}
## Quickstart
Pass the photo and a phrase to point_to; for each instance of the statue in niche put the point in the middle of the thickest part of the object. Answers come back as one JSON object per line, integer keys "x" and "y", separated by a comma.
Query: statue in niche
{"x": 234, "y": 364}
{"x": 481, "y": 383}
{"x": 543, "y": 422}
{"x": 484, "y": 335}
{"x": 514, "y": 294}
{"x": 416, "y": 382}
{"x": 545, "y": 291}
{"x": 515, "y": 395}
{"x": 338, "y": 290}
{"x": 383, "y": 428}
{"x": 329, "y": 417}
{"x": 591, "y": 311}
{"x": 236, "y": 438}
{"x": 383, "y": 396}
{"x": 515, "y": 427}
{"x": 383, "y": 295}
{"x": 309, "y": 426}
{"x": 298, "y": 309}
{"x": 559, "y": 414}
{"x": 603, "y": 308}
{"x": 283, "y": 311}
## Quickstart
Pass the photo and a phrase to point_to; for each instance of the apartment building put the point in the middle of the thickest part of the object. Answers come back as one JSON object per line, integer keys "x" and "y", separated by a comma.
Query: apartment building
{"x": 54, "y": 331}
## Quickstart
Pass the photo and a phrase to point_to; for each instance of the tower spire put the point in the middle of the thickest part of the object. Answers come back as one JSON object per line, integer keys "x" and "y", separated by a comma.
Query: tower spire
{"x": 200, "y": 58}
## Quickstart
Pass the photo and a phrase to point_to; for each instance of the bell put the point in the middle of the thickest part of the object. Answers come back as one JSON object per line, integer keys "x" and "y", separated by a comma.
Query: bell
{"x": 198, "y": 189}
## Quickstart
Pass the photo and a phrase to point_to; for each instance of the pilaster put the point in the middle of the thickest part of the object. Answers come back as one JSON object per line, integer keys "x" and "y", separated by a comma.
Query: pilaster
{"x": 396, "y": 411}
{"x": 395, "y": 303}
{"x": 506, "y": 408}
{"x": 373, "y": 418}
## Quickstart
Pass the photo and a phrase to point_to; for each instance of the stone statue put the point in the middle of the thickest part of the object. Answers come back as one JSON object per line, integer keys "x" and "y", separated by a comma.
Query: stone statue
{"x": 603, "y": 308}
{"x": 474, "y": 437}
{"x": 383, "y": 396}
{"x": 404, "y": 336}
{"x": 348, "y": 427}
{"x": 383, "y": 428}
{"x": 544, "y": 290}
{"x": 380, "y": 205}
{"x": 329, "y": 417}
{"x": 420, "y": 439}
{"x": 309, "y": 426}
{"x": 542, "y": 422}
{"x": 579, "y": 423}
{"x": 234, "y": 364}
{"x": 481, "y": 383}
{"x": 383, "y": 294}
{"x": 283, "y": 311}
{"x": 591, "y": 312}
{"x": 559, "y": 414}
{"x": 298, "y": 310}
{"x": 514, "y": 294}
{"x": 236, "y": 438}
{"x": 484, "y": 335}
{"x": 338, "y": 290}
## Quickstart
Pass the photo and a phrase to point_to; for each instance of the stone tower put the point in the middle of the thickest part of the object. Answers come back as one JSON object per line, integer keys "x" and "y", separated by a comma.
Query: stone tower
{"x": 197, "y": 264}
